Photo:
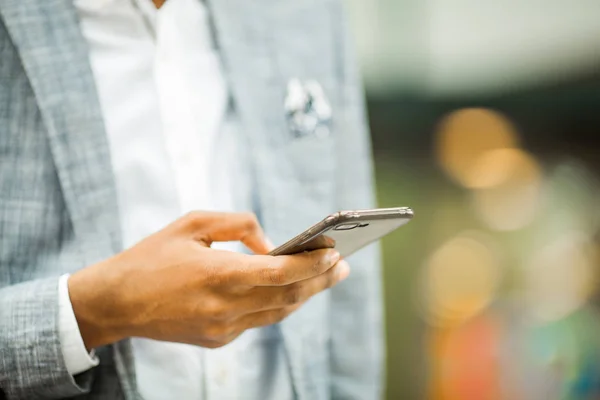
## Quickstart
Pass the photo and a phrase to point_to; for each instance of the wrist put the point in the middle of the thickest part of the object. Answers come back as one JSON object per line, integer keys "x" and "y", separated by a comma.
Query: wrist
{"x": 96, "y": 307}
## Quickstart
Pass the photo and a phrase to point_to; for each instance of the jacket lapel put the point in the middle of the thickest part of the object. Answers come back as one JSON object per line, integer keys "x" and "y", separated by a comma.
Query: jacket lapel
{"x": 242, "y": 35}
{"x": 55, "y": 57}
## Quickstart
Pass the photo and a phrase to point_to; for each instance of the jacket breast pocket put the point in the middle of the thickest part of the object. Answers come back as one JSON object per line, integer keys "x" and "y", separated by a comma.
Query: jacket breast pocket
{"x": 312, "y": 160}
{"x": 297, "y": 186}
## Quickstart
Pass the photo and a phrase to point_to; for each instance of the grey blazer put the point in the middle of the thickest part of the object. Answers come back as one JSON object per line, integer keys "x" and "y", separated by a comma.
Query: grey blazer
{"x": 58, "y": 210}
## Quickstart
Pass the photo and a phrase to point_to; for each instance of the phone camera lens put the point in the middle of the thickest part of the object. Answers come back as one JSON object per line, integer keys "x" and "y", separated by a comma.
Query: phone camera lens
{"x": 345, "y": 227}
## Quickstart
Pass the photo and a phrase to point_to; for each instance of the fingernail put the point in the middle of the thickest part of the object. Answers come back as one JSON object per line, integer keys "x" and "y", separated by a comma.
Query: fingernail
{"x": 334, "y": 257}
{"x": 343, "y": 270}
{"x": 269, "y": 244}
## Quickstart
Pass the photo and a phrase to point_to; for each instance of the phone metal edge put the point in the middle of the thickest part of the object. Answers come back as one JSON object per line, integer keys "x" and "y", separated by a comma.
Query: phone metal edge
{"x": 318, "y": 228}
{"x": 376, "y": 213}
{"x": 343, "y": 216}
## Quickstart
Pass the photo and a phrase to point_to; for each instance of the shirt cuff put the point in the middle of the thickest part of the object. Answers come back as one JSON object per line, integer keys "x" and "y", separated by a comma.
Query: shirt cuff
{"x": 77, "y": 359}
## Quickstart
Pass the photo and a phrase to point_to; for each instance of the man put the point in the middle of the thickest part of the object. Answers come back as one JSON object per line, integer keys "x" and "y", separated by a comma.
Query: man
{"x": 118, "y": 121}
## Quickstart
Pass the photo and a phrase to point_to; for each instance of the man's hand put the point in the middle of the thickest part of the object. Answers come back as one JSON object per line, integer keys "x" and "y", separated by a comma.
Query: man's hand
{"x": 172, "y": 286}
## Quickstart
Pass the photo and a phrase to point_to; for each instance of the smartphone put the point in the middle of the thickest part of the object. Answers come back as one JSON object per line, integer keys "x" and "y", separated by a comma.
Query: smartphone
{"x": 347, "y": 231}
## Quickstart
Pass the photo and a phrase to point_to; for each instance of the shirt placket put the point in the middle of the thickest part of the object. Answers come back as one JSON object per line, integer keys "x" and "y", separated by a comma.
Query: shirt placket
{"x": 183, "y": 140}
{"x": 189, "y": 149}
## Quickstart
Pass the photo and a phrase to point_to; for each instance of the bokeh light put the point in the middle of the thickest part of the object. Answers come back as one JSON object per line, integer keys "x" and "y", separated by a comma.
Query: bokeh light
{"x": 465, "y": 360}
{"x": 560, "y": 277}
{"x": 459, "y": 280}
{"x": 551, "y": 266}
{"x": 509, "y": 187}
{"x": 572, "y": 195}
{"x": 465, "y": 135}
{"x": 557, "y": 359}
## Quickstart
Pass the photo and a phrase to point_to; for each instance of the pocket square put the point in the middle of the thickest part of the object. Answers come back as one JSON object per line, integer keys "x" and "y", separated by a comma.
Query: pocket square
{"x": 307, "y": 109}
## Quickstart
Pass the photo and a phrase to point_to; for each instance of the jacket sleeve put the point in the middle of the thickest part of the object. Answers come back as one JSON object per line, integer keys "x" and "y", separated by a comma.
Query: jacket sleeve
{"x": 31, "y": 359}
{"x": 357, "y": 353}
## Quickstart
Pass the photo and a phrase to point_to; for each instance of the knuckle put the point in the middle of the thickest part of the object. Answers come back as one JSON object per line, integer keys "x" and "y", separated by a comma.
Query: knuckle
{"x": 275, "y": 274}
{"x": 194, "y": 218}
{"x": 250, "y": 221}
{"x": 217, "y": 277}
{"x": 217, "y": 311}
{"x": 319, "y": 265}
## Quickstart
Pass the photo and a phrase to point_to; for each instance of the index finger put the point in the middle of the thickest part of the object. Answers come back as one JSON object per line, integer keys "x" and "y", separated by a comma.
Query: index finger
{"x": 285, "y": 270}
{"x": 208, "y": 227}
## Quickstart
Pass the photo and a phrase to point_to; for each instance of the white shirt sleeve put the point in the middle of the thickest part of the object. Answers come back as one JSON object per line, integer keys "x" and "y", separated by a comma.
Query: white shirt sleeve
{"x": 77, "y": 358}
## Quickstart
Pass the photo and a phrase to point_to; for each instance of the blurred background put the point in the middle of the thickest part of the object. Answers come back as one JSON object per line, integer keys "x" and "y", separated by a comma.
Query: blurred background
{"x": 485, "y": 117}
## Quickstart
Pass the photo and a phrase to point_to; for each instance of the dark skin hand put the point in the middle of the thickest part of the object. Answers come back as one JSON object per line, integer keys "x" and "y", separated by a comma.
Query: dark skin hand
{"x": 173, "y": 287}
